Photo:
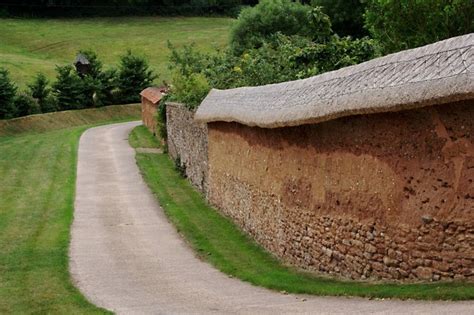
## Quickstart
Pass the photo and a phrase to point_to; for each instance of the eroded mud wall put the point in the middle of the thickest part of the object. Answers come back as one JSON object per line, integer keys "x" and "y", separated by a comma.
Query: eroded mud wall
{"x": 374, "y": 196}
{"x": 149, "y": 114}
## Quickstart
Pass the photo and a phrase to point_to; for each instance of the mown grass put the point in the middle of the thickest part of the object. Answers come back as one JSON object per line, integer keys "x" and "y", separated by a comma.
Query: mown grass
{"x": 217, "y": 240}
{"x": 37, "y": 184}
{"x": 29, "y": 46}
{"x": 140, "y": 137}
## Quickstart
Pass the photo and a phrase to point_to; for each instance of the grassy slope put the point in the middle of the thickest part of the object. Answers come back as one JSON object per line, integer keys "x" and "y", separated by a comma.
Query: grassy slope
{"x": 217, "y": 240}
{"x": 140, "y": 137}
{"x": 37, "y": 182}
{"x": 29, "y": 46}
{"x": 68, "y": 119}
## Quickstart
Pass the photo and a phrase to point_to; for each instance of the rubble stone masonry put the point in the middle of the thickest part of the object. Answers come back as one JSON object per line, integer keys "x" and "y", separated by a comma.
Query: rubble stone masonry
{"x": 380, "y": 196}
{"x": 187, "y": 140}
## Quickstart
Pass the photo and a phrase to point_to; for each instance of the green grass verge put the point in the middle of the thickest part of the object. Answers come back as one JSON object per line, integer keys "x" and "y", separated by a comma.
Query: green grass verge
{"x": 29, "y": 46}
{"x": 217, "y": 240}
{"x": 37, "y": 185}
{"x": 140, "y": 137}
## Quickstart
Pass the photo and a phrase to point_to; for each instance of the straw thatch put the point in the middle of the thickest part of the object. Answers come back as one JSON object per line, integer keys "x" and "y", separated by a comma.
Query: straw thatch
{"x": 434, "y": 74}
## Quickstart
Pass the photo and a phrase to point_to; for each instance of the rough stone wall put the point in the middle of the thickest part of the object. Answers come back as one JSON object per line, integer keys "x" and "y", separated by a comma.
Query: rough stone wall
{"x": 188, "y": 141}
{"x": 149, "y": 114}
{"x": 382, "y": 196}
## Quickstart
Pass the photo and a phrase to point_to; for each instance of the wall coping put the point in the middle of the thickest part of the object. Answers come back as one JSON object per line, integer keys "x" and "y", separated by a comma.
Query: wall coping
{"x": 434, "y": 74}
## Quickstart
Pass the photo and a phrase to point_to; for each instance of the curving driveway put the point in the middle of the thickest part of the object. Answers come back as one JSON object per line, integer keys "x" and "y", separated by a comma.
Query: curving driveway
{"x": 126, "y": 257}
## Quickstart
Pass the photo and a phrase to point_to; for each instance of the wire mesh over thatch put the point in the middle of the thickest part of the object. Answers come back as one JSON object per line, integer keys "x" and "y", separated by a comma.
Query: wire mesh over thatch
{"x": 434, "y": 74}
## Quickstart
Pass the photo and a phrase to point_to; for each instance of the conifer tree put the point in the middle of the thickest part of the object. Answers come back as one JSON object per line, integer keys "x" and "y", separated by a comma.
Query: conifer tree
{"x": 7, "y": 95}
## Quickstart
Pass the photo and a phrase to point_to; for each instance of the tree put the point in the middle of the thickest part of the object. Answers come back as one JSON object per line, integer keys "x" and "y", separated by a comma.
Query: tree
{"x": 25, "y": 105}
{"x": 347, "y": 16}
{"x": 7, "y": 95}
{"x": 257, "y": 24}
{"x": 403, "y": 24}
{"x": 133, "y": 76}
{"x": 40, "y": 91}
{"x": 69, "y": 90}
{"x": 98, "y": 82}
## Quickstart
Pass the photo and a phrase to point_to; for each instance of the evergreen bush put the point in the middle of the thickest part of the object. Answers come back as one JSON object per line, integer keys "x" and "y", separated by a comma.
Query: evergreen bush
{"x": 26, "y": 104}
{"x": 7, "y": 95}
{"x": 69, "y": 89}
{"x": 39, "y": 89}
{"x": 133, "y": 76}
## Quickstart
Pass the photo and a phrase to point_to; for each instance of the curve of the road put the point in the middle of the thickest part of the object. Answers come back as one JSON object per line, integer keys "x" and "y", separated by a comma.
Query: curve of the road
{"x": 126, "y": 257}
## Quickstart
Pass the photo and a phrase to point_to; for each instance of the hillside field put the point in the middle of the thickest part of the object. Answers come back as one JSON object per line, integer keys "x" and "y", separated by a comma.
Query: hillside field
{"x": 28, "y": 46}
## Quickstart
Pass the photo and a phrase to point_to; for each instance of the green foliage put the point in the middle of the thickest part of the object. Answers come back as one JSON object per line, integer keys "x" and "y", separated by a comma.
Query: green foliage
{"x": 257, "y": 24}
{"x": 26, "y": 104}
{"x": 273, "y": 42}
{"x": 106, "y": 88}
{"x": 97, "y": 83}
{"x": 346, "y": 16}
{"x": 403, "y": 24}
{"x": 133, "y": 76}
{"x": 7, "y": 95}
{"x": 72, "y": 90}
{"x": 99, "y": 87}
{"x": 161, "y": 119}
{"x": 69, "y": 89}
{"x": 40, "y": 91}
{"x": 189, "y": 90}
{"x": 280, "y": 58}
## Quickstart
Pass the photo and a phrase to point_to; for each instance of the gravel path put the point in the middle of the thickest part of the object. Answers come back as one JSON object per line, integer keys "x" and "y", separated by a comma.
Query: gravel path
{"x": 126, "y": 257}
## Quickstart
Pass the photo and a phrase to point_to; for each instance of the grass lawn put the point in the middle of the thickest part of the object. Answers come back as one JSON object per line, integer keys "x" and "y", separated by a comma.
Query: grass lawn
{"x": 29, "y": 46}
{"x": 37, "y": 184}
{"x": 217, "y": 240}
{"x": 140, "y": 137}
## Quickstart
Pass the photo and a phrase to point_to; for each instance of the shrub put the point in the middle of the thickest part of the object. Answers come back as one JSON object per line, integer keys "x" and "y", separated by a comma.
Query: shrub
{"x": 50, "y": 104}
{"x": 69, "y": 89}
{"x": 133, "y": 76}
{"x": 280, "y": 58}
{"x": 403, "y": 24}
{"x": 98, "y": 84}
{"x": 7, "y": 95}
{"x": 40, "y": 91}
{"x": 255, "y": 25}
{"x": 347, "y": 16}
{"x": 189, "y": 90}
{"x": 107, "y": 86}
{"x": 26, "y": 104}
{"x": 161, "y": 120}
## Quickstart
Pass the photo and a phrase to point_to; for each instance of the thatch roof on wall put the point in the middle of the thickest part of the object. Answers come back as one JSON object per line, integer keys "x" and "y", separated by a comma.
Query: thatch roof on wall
{"x": 434, "y": 74}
